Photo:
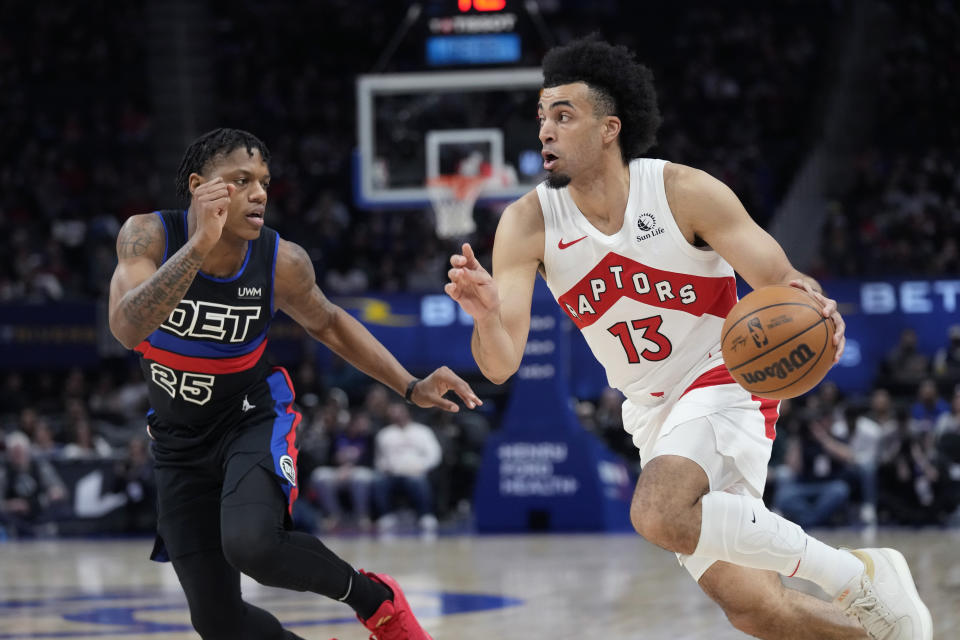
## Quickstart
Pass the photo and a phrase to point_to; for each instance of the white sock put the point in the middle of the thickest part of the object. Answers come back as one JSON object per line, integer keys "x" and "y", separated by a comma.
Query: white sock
{"x": 741, "y": 530}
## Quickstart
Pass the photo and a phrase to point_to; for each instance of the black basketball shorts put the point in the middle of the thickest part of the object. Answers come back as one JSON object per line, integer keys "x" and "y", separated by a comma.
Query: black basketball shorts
{"x": 192, "y": 483}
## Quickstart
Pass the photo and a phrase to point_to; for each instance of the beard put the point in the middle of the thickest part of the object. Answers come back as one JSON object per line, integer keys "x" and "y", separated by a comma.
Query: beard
{"x": 557, "y": 180}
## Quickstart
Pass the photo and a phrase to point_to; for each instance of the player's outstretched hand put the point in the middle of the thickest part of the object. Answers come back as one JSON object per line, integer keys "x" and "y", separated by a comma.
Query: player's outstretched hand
{"x": 211, "y": 200}
{"x": 829, "y": 310}
{"x": 471, "y": 285}
{"x": 429, "y": 392}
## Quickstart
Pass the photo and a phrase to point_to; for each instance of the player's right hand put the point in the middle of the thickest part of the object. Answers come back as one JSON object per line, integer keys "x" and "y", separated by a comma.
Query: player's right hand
{"x": 211, "y": 200}
{"x": 471, "y": 285}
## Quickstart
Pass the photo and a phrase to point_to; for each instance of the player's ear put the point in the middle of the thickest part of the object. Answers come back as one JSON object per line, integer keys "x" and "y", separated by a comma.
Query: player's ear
{"x": 611, "y": 128}
{"x": 194, "y": 181}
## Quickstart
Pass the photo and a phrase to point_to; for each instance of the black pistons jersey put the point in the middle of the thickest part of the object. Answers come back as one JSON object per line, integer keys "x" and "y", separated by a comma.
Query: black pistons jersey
{"x": 208, "y": 354}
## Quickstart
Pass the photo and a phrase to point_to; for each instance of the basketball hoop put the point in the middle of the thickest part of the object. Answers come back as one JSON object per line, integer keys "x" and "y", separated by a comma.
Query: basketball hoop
{"x": 453, "y": 197}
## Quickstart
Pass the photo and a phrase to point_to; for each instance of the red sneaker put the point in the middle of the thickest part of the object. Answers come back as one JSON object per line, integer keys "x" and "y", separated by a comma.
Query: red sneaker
{"x": 394, "y": 620}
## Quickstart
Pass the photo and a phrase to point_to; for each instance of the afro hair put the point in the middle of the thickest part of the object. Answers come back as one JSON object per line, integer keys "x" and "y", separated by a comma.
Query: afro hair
{"x": 620, "y": 85}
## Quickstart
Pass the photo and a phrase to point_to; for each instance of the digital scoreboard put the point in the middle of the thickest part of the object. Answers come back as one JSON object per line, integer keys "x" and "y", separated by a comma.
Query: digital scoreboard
{"x": 473, "y": 32}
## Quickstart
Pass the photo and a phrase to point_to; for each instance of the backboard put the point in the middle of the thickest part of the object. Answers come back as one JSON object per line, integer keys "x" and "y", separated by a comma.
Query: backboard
{"x": 412, "y": 127}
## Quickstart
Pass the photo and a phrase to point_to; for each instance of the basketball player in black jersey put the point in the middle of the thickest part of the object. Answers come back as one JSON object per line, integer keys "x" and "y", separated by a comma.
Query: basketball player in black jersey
{"x": 193, "y": 293}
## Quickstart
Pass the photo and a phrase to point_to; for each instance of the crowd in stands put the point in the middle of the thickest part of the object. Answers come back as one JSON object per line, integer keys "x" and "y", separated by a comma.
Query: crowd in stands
{"x": 902, "y": 214}
{"x": 738, "y": 90}
{"x": 80, "y": 116}
{"x": 888, "y": 457}
{"x": 77, "y": 130}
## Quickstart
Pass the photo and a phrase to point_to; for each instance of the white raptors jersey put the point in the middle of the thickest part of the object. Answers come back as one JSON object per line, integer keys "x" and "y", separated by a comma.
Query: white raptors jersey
{"x": 650, "y": 305}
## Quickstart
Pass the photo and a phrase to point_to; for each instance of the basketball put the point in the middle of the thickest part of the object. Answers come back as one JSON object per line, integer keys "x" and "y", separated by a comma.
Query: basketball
{"x": 776, "y": 342}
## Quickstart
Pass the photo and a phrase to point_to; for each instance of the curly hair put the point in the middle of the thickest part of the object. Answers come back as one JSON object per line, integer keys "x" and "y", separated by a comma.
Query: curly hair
{"x": 211, "y": 145}
{"x": 620, "y": 86}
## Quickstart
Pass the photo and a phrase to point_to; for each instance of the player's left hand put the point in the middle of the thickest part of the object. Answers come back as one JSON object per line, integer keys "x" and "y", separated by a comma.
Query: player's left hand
{"x": 429, "y": 392}
{"x": 829, "y": 310}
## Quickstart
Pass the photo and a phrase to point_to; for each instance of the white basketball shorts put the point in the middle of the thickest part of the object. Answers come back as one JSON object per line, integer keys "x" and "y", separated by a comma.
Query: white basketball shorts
{"x": 723, "y": 428}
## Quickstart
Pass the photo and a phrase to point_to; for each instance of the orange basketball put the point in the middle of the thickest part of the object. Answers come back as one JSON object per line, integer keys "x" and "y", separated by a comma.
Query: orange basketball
{"x": 776, "y": 342}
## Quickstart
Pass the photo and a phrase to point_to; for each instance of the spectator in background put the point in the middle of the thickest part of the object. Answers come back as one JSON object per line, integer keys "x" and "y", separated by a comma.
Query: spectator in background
{"x": 828, "y": 401}
{"x": 946, "y": 361}
{"x": 406, "y": 451}
{"x": 870, "y": 435}
{"x": 858, "y": 442}
{"x": 315, "y": 437}
{"x": 45, "y": 445}
{"x": 907, "y": 479}
{"x": 32, "y": 495}
{"x": 134, "y": 477}
{"x": 351, "y": 468}
{"x": 84, "y": 443}
{"x": 343, "y": 375}
{"x": 461, "y": 437}
{"x": 376, "y": 403}
{"x": 948, "y": 452}
{"x": 308, "y": 384}
{"x": 949, "y": 423}
{"x": 122, "y": 402}
{"x": 905, "y": 366}
{"x": 609, "y": 419}
{"x": 13, "y": 397}
{"x": 925, "y": 412}
{"x": 816, "y": 490}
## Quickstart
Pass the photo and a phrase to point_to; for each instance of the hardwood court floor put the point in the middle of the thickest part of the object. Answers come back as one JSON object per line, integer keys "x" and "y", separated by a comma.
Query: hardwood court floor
{"x": 557, "y": 587}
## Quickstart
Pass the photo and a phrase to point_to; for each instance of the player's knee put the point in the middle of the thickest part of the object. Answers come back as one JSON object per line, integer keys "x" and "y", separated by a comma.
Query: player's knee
{"x": 648, "y": 520}
{"x": 211, "y": 624}
{"x": 250, "y": 549}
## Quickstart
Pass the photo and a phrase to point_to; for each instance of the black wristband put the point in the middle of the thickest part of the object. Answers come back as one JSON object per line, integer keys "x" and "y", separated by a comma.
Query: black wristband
{"x": 409, "y": 392}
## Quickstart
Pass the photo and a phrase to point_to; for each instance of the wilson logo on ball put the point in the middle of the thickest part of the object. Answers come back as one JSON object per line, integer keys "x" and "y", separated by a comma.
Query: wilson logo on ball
{"x": 783, "y": 367}
{"x": 777, "y": 343}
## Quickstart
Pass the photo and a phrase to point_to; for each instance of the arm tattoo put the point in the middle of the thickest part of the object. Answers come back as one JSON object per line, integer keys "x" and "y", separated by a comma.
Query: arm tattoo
{"x": 151, "y": 302}
{"x": 148, "y": 305}
{"x": 134, "y": 242}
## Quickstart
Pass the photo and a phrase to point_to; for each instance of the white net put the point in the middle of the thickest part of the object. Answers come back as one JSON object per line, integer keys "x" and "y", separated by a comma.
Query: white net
{"x": 453, "y": 198}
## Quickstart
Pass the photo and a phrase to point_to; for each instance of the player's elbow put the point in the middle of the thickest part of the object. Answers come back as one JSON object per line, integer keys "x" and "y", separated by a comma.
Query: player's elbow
{"x": 128, "y": 341}
{"x": 123, "y": 332}
{"x": 496, "y": 377}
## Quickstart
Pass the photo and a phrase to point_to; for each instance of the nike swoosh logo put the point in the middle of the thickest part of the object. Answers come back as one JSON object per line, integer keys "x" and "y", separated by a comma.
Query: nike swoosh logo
{"x": 754, "y": 517}
{"x": 564, "y": 245}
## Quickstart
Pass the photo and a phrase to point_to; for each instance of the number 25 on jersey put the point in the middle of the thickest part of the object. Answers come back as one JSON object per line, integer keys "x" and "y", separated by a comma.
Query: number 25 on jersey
{"x": 192, "y": 387}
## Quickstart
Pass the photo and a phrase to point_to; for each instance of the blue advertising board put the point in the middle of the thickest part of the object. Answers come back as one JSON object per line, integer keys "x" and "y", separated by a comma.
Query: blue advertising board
{"x": 541, "y": 469}
{"x": 426, "y": 331}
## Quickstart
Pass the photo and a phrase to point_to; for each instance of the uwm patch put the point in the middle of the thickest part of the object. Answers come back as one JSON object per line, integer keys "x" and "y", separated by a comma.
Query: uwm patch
{"x": 616, "y": 277}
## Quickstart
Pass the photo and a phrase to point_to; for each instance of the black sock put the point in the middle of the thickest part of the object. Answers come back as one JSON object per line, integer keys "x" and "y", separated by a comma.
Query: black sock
{"x": 366, "y": 595}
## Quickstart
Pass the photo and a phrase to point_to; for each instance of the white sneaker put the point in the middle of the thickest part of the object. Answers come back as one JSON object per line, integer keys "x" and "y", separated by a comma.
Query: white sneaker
{"x": 428, "y": 523}
{"x": 884, "y": 598}
{"x": 387, "y": 523}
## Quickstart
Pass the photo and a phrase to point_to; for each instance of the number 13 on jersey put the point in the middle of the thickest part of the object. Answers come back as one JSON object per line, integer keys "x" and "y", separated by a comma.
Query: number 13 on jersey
{"x": 644, "y": 328}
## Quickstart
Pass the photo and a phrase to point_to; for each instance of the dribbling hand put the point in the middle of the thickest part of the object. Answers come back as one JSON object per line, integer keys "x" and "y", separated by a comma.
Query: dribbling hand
{"x": 471, "y": 285}
{"x": 829, "y": 310}
{"x": 211, "y": 201}
{"x": 429, "y": 392}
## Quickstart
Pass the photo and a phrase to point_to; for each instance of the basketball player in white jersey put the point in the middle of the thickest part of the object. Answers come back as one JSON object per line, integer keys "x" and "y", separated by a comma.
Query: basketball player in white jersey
{"x": 641, "y": 255}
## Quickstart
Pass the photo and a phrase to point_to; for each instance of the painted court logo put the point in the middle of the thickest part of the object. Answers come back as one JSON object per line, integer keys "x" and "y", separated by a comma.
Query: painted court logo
{"x": 289, "y": 469}
{"x": 54, "y": 614}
